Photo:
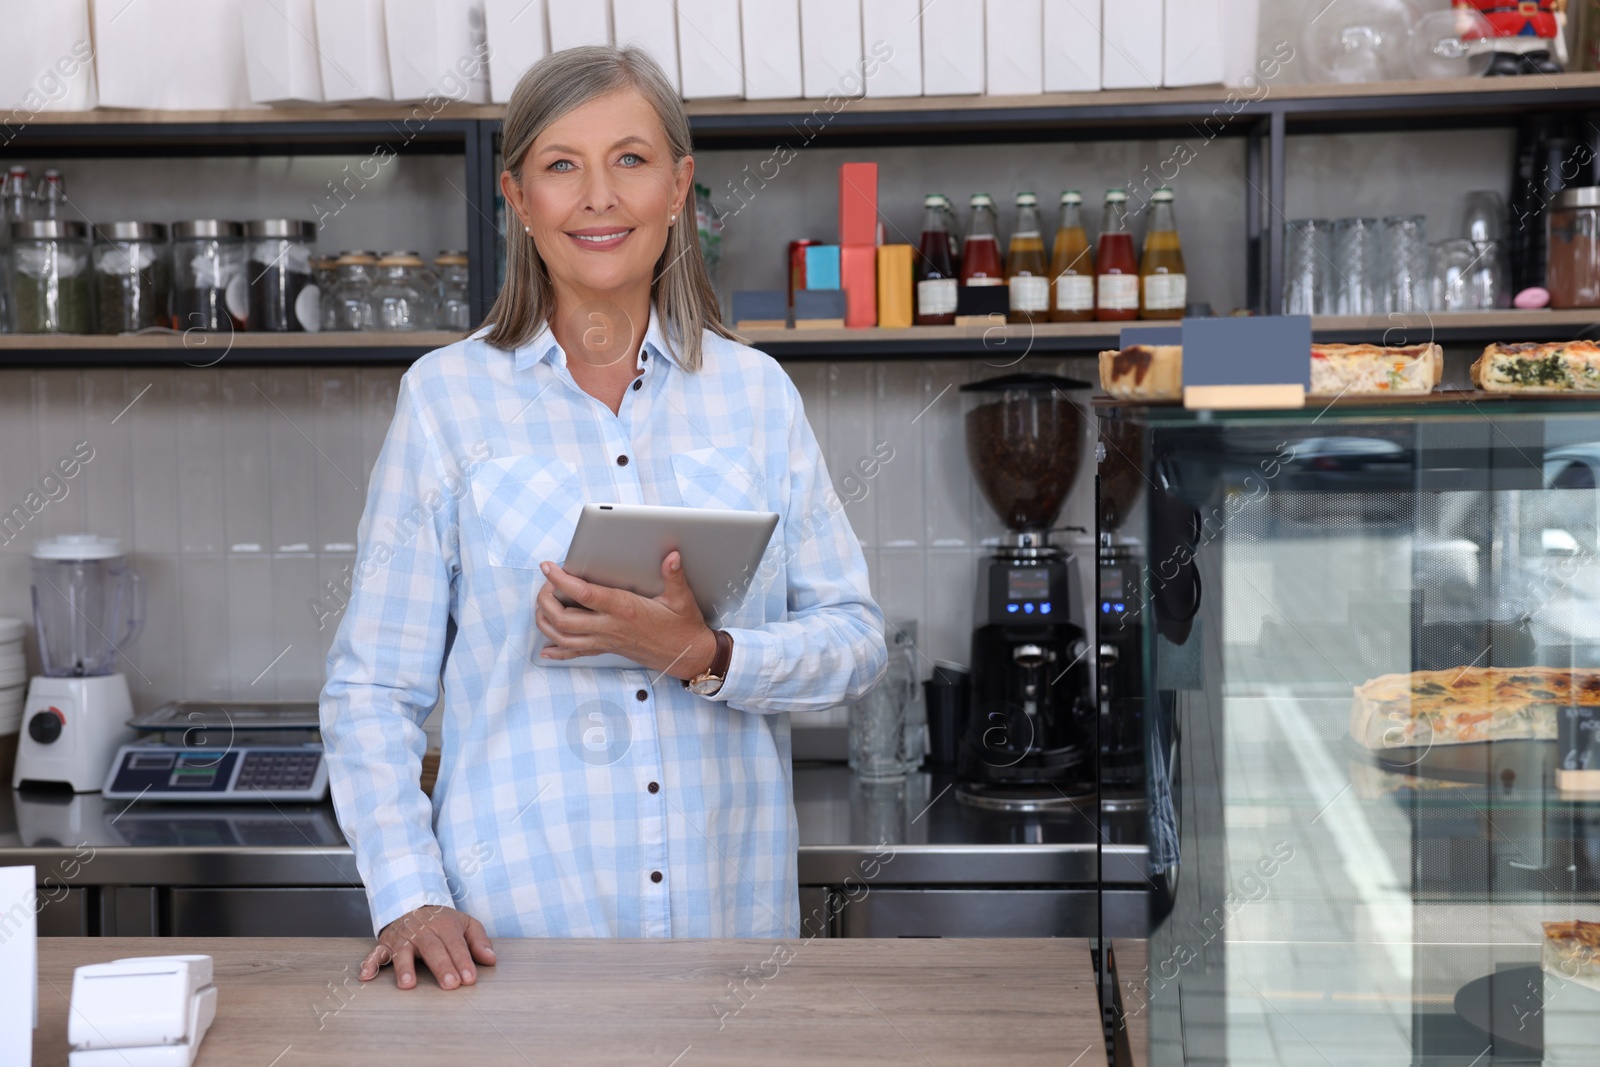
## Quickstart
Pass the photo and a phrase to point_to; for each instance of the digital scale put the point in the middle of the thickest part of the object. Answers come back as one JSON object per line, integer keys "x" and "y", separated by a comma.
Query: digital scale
{"x": 197, "y": 750}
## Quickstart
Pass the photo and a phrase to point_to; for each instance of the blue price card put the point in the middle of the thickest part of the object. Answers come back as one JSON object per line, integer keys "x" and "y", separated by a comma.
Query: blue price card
{"x": 1151, "y": 335}
{"x": 1247, "y": 362}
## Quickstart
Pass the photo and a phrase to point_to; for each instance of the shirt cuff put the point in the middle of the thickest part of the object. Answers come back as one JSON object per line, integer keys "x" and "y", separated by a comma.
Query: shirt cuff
{"x": 748, "y": 677}
{"x": 422, "y": 885}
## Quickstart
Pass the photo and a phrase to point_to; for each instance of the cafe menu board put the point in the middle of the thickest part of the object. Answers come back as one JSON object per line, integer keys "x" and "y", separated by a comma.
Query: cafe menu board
{"x": 1578, "y": 742}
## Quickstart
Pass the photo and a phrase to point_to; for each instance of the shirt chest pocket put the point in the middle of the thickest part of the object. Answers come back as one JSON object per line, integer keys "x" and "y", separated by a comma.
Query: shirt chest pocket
{"x": 727, "y": 478}
{"x": 526, "y": 508}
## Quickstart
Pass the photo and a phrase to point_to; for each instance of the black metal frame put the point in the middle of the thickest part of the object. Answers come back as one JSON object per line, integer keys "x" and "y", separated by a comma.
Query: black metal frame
{"x": 1265, "y": 123}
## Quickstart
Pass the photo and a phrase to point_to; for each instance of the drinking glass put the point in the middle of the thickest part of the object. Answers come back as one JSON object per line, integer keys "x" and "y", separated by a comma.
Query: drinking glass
{"x": 1483, "y": 218}
{"x": 1308, "y": 267}
{"x": 888, "y": 727}
{"x": 1357, "y": 278}
{"x": 1466, "y": 276}
{"x": 1403, "y": 242}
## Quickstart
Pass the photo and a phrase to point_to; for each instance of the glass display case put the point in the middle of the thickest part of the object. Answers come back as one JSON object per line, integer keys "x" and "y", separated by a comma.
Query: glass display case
{"x": 1367, "y": 639}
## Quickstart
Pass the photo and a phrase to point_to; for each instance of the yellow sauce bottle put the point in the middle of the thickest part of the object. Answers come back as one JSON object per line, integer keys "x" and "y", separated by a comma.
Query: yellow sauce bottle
{"x": 1026, "y": 268}
{"x": 1164, "y": 285}
{"x": 1072, "y": 265}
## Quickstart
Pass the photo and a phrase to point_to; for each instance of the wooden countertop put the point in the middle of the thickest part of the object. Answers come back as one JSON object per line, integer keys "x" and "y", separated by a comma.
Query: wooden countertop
{"x": 295, "y": 1002}
{"x": 1130, "y": 960}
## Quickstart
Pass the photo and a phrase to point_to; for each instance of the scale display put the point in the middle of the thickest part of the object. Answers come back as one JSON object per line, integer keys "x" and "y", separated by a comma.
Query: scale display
{"x": 266, "y": 751}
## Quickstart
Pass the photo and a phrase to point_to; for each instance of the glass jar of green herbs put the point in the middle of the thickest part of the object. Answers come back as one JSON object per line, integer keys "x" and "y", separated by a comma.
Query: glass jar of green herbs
{"x": 132, "y": 277}
{"x": 48, "y": 270}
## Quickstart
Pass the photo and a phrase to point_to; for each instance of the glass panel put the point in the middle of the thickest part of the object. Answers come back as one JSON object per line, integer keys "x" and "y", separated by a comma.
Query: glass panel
{"x": 1358, "y": 631}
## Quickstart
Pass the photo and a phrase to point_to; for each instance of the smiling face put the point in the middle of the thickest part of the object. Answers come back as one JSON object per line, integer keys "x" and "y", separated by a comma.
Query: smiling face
{"x": 599, "y": 189}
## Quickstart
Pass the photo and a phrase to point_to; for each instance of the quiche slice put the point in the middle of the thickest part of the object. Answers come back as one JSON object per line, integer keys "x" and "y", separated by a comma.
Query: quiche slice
{"x": 1467, "y": 705}
{"x": 1373, "y": 370}
{"x": 1560, "y": 367}
{"x": 1572, "y": 952}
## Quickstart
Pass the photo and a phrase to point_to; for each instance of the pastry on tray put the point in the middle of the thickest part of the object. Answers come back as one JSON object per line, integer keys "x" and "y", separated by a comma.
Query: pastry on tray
{"x": 1572, "y": 952}
{"x": 1155, "y": 372}
{"x": 1560, "y": 367}
{"x": 1464, "y": 705}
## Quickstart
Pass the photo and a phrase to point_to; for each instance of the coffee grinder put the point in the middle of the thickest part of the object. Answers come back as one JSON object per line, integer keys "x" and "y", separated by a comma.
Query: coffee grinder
{"x": 1029, "y": 741}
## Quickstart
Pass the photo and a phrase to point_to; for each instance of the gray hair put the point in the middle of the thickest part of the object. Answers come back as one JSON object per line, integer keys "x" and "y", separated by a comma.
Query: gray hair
{"x": 680, "y": 289}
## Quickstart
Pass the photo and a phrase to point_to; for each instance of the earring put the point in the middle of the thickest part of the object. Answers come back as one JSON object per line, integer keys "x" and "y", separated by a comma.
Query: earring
{"x": 672, "y": 220}
{"x": 527, "y": 229}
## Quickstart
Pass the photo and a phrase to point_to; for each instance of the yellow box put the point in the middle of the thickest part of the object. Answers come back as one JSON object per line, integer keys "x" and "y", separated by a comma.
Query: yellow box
{"x": 894, "y": 285}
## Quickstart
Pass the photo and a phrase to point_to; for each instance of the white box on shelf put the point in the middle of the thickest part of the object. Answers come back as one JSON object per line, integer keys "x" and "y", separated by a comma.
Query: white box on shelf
{"x": 771, "y": 32}
{"x": 830, "y": 48}
{"x": 46, "y": 57}
{"x": 517, "y": 40}
{"x": 579, "y": 23}
{"x": 1193, "y": 43}
{"x": 171, "y": 55}
{"x": 650, "y": 25}
{"x": 354, "y": 51}
{"x": 952, "y": 48}
{"x": 1131, "y": 44}
{"x": 280, "y": 52}
{"x": 1014, "y": 52}
{"x": 438, "y": 49}
{"x": 709, "y": 49}
{"x": 1241, "y": 22}
{"x": 1071, "y": 46}
{"x": 19, "y": 964}
{"x": 892, "y": 31}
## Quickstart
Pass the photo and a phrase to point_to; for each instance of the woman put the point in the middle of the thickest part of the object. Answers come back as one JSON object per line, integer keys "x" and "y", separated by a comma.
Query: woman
{"x": 579, "y": 801}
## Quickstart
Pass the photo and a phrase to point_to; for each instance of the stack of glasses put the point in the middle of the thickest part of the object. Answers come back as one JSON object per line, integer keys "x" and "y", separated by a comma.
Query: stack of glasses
{"x": 1356, "y": 266}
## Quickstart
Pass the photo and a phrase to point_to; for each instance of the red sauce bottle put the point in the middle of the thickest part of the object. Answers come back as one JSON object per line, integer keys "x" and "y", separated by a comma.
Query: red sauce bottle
{"x": 936, "y": 272}
{"x": 1116, "y": 264}
{"x": 981, "y": 263}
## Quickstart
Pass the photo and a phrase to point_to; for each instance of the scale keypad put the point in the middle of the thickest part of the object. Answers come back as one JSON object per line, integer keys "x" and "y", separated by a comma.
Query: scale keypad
{"x": 277, "y": 771}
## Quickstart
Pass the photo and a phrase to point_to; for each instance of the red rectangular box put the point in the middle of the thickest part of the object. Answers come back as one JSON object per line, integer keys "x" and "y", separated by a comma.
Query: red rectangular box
{"x": 858, "y": 204}
{"x": 858, "y": 276}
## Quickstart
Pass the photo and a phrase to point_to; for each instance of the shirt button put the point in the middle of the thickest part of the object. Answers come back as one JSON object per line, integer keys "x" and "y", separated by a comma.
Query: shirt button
{"x": 654, "y": 787}
{"x": 643, "y": 355}
{"x": 641, "y": 695}
{"x": 622, "y": 461}
{"x": 636, "y": 385}
{"x": 655, "y": 876}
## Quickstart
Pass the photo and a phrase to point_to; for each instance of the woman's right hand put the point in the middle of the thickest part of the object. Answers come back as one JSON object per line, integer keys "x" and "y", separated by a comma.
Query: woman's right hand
{"x": 447, "y": 940}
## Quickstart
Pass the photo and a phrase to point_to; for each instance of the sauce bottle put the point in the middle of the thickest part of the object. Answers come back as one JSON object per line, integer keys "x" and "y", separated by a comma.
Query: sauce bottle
{"x": 953, "y": 228}
{"x": 936, "y": 273}
{"x": 1072, "y": 265}
{"x": 980, "y": 256}
{"x": 1166, "y": 287}
{"x": 1116, "y": 268}
{"x": 1027, "y": 274}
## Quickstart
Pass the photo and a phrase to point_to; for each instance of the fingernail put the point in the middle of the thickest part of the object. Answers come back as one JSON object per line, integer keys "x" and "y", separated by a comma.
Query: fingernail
{"x": 466, "y": 976}
{"x": 449, "y": 981}
{"x": 545, "y": 569}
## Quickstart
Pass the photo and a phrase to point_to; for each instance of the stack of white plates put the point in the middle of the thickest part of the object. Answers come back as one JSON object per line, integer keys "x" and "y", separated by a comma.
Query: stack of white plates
{"x": 13, "y": 675}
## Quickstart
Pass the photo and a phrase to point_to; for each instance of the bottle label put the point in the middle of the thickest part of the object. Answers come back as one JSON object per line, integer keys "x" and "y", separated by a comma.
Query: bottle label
{"x": 1074, "y": 292}
{"x": 1165, "y": 292}
{"x": 1030, "y": 292}
{"x": 980, "y": 280}
{"x": 1119, "y": 292}
{"x": 936, "y": 296}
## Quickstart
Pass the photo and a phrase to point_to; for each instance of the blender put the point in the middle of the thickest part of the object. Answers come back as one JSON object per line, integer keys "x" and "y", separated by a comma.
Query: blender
{"x": 1029, "y": 741}
{"x": 87, "y": 607}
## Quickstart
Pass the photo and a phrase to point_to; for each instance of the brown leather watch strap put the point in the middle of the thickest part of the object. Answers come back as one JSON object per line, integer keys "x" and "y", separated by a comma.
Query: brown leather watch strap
{"x": 723, "y": 656}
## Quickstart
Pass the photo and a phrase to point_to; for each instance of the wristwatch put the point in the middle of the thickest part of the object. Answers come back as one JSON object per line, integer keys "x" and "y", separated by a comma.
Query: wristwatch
{"x": 708, "y": 683}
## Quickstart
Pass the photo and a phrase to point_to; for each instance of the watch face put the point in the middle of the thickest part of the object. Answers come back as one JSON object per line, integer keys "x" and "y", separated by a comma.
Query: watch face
{"x": 705, "y": 687}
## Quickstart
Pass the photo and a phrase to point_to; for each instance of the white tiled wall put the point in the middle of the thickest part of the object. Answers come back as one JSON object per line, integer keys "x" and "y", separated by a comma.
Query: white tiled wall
{"x": 239, "y": 491}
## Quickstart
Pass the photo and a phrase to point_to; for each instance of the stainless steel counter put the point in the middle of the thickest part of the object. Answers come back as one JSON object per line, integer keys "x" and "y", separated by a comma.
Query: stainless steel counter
{"x": 119, "y": 868}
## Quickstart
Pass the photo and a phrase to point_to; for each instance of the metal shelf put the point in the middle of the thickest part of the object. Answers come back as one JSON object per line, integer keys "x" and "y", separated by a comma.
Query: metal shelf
{"x": 199, "y": 350}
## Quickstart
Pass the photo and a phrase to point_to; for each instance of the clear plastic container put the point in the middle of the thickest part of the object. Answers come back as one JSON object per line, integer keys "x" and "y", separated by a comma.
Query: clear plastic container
{"x": 278, "y": 268}
{"x": 132, "y": 277}
{"x": 207, "y": 259}
{"x": 401, "y": 300}
{"x": 351, "y": 299}
{"x": 49, "y": 277}
{"x": 455, "y": 307}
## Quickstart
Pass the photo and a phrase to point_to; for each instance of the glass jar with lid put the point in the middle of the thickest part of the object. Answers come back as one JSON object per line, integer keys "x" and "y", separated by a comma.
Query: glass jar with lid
{"x": 324, "y": 275}
{"x": 208, "y": 279}
{"x": 278, "y": 266}
{"x": 455, "y": 308}
{"x": 1573, "y": 274}
{"x": 401, "y": 299}
{"x": 132, "y": 277}
{"x": 48, "y": 274}
{"x": 351, "y": 298}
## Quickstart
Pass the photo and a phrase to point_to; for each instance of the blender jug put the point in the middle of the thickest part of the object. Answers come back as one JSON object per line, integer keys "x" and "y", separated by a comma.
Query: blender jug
{"x": 88, "y": 605}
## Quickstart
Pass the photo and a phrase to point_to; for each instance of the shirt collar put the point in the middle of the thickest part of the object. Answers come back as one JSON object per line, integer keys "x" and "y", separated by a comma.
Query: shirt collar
{"x": 544, "y": 349}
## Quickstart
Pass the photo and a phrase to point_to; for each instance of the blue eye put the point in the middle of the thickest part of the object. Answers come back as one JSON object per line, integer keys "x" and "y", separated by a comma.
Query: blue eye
{"x": 561, "y": 165}
{"x": 626, "y": 156}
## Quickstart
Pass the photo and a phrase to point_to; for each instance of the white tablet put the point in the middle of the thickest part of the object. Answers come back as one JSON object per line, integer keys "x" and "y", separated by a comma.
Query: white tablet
{"x": 622, "y": 546}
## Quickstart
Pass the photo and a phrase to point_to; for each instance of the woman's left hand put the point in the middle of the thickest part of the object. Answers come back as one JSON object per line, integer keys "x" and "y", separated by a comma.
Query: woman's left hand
{"x": 665, "y": 633}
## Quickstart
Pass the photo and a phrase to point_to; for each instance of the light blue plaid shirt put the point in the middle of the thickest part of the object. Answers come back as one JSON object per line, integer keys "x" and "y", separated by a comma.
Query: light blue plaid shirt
{"x": 577, "y": 802}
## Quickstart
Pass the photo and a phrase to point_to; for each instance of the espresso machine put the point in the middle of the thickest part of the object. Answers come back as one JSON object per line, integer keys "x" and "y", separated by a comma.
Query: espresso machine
{"x": 88, "y": 606}
{"x": 1029, "y": 741}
